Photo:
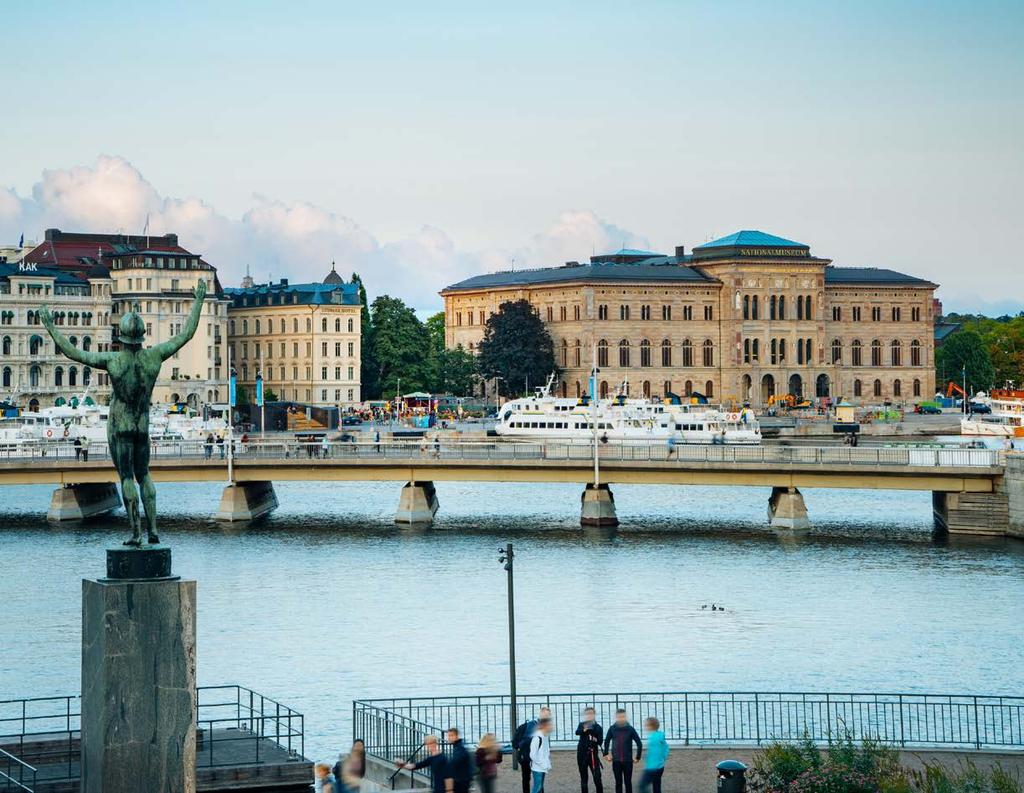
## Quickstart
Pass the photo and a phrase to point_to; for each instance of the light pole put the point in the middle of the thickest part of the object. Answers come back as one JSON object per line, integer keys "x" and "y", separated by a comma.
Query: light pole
{"x": 505, "y": 557}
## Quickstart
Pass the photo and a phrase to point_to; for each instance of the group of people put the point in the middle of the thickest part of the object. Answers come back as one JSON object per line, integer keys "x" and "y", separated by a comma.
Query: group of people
{"x": 346, "y": 776}
{"x": 621, "y": 746}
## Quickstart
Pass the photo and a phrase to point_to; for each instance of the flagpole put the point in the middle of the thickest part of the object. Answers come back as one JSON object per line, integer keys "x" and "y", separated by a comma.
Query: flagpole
{"x": 593, "y": 403}
{"x": 263, "y": 398}
{"x": 230, "y": 438}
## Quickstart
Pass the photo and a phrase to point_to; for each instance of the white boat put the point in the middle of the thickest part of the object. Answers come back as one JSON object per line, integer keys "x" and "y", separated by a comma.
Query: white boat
{"x": 543, "y": 416}
{"x": 1006, "y": 419}
{"x": 166, "y": 423}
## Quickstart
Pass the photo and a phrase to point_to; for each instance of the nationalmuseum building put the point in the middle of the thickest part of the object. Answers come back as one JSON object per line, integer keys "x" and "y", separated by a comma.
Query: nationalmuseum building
{"x": 743, "y": 318}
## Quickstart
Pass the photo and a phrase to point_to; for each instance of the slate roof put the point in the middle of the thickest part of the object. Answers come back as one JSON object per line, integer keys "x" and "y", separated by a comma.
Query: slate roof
{"x": 656, "y": 268}
{"x": 8, "y": 269}
{"x": 871, "y": 275}
{"x": 751, "y": 237}
{"x": 286, "y": 294}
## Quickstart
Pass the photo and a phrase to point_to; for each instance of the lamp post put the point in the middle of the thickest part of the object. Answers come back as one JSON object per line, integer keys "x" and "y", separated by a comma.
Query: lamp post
{"x": 505, "y": 557}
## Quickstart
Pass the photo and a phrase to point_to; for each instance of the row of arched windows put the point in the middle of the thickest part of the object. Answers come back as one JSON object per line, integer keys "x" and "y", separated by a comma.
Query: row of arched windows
{"x": 35, "y": 376}
{"x": 777, "y": 307}
{"x": 667, "y": 388}
{"x": 666, "y": 352}
{"x": 877, "y": 353}
{"x": 258, "y": 325}
{"x": 897, "y": 388}
{"x": 36, "y": 344}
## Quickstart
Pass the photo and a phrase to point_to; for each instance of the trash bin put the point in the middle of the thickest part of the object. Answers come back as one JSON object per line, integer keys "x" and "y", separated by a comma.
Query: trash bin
{"x": 731, "y": 777}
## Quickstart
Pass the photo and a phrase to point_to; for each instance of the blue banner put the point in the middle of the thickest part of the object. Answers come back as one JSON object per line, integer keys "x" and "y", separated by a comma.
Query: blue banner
{"x": 259, "y": 390}
{"x": 232, "y": 388}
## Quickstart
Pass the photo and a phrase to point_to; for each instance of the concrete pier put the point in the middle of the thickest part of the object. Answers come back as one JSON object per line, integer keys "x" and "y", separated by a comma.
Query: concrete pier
{"x": 247, "y": 501}
{"x": 787, "y": 511}
{"x": 417, "y": 504}
{"x": 138, "y": 686}
{"x": 597, "y": 507}
{"x": 78, "y": 502}
{"x": 985, "y": 514}
{"x": 1015, "y": 494}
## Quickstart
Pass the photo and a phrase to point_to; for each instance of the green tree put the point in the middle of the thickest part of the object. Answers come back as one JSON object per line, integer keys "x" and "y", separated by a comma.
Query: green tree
{"x": 400, "y": 347}
{"x": 368, "y": 367}
{"x": 451, "y": 371}
{"x": 965, "y": 349}
{"x": 270, "y": 395}
{"x": 517, "y": 348}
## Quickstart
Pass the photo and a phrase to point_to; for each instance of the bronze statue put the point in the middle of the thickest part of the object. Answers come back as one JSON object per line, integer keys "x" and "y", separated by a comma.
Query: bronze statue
{"x": 133, "y": 372}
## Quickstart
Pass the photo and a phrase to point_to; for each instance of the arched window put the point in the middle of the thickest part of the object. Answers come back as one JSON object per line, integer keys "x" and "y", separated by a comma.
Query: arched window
{"x": 666, "y": 352}
{"x": 878, "y": 388}
{"x": 709, "y": 389}
{"x": 837, "y": 351}
{"x": 753, "y": 307}
{"x": 896, "y": 353}
{"x": 576, "y": 353}
{"x": 35, "y": 375}
{"x": 772, "y": 307}
{"x": 86, "y": 343}
{"x": 799, "y": 306}
{"x": 624, "y": 353}
{"x": 233, "y": 331}
{"x": 602, "y": 353}
{"x": 645, "y": 358}
{"x": 579, "y": 393}
{"x": 647, "y": 389}
{"x": 876, "y": 353}
{"x": 708, "y": 350}
{"x": 666, "y": 387}
{"x": 323, "y": 325}
{"x": 73, "y": 340}
{"x": 774, "y": 351}
{"x": 897, "y": 388}
{"x": 688, "y": 388}
{"x": 746, "y": 307}
{"x": 746, "y": 351}
{"x": 58, "y": 376}
{"x": 7, "y": 345}
{"x": 915, "y": 354}
{"x": 857, "y": 388}
{"x": 87, "y": 376}
{"x": 623, "y": 312}
{"x": 565, "y": 353}
{"x": 755, "y": 351}
{"x": 808, "y": 313}
{"x": 782, "y": 306}
{"x": 72, "y": 376}
{"x": 603, "y": 389}
{"x": 351, "y": 325}
{"x": 35, "y": 345}
{"x": 856, "y": 353}
{"x": 295, "y": 324}
{"x": 7, "y": 377}
{"x": 917, "y": 388}
{"x": 687, "y": 352}
{"x": 799, "y": 352}
{"x": 782, "y": 350}
{"x": 809, "y": 351}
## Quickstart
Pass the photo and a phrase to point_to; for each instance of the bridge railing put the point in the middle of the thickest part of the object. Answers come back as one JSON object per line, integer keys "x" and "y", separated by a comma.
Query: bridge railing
{"x": 500, "y": 451}
{"x": 715, "y": 717}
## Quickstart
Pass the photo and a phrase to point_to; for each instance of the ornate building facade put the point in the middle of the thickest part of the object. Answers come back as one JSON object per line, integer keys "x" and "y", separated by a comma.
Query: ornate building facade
{"x": 744, "y": 318}
{"x": 306, "y": 338}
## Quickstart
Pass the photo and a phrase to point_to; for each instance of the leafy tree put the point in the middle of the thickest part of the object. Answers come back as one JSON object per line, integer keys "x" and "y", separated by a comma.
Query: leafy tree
{"x": 451, "y": 371}
{"x": 965, "y": 350}
{"x": 368, "y": 368}
{"x": 517, "y": 348}
{"x": 1004, "y": 339}
{"x": 270, "y": 395}
{"x": 400, "y": 347}
{"x": 241, "y": 395}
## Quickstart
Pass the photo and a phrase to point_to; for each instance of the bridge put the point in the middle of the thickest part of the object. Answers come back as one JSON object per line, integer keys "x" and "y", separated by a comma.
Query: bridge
{"x": 975, "y": 491}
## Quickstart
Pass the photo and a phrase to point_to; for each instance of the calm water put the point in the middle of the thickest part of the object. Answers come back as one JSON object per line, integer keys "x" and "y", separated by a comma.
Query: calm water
{"x": 328, "y": 601}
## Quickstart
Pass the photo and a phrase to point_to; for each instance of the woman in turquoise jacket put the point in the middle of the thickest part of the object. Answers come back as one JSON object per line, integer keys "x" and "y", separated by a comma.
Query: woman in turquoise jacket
{"x": 654, "y": 760}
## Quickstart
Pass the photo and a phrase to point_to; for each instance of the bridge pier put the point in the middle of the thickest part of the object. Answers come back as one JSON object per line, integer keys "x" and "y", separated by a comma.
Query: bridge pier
{"x": 78, "y": 502}
{"x": 597, "y": 507}
{"x": 984, "y": 514}
{"x": 1015, "y": 494}
{"x": 787, "y": 511}
{"x": 243, "y": 501}
{"x": 417, "y": 504}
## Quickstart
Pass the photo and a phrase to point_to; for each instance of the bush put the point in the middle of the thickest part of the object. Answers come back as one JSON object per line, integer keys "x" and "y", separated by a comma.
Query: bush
{"x": 969, "y": 779}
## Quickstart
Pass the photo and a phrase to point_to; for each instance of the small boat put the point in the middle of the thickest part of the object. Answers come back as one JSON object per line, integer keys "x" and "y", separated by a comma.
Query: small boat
{"x": 1006, "y": 419}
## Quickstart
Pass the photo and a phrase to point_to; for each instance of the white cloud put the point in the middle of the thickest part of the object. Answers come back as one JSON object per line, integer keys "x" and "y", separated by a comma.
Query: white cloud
{"x": 296, "y": 241}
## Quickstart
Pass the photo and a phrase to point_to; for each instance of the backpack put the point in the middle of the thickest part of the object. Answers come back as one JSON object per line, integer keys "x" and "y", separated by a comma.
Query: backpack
{"x": 522, "y": 739}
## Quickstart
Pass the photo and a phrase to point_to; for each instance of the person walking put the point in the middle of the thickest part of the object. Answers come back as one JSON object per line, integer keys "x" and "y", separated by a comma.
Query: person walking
{"x": 326, "y": 444}
{"x": 671, "y": 446}
{"x": 325, "y": 781}
{"x": 460, "y": 764}
{"x": 620, "y": 738}
{"x": 376, "y": 439}
{"x": 208, "y": 446}
{"x": 656, "y": 757}
{"x": 78, "y": 448}
{"x": 588, "y": 750}
{"x": 540, "y": 754}
{"x": 488, "y": 756}
{"x": 435, "y": 761}
{"x": 350, "y": 769}
{"x": 85, "y": 448}
{"x": 521, "y": 745}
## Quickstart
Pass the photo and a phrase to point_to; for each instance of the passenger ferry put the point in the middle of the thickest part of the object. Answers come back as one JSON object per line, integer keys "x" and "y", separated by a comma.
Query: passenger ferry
{"x": 543, "y": 416}
{"x": 1006, "y": 419}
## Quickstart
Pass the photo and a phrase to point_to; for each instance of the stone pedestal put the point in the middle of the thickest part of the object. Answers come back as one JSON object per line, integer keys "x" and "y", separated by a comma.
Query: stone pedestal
{"x": 786, "y": 510}
{"x": 247, "y": 501}
{"x": 417, "y": 504}
{"x": 138, "y": 680}
{"x": 597, "y": 507}
{"x": 78, "y": 502}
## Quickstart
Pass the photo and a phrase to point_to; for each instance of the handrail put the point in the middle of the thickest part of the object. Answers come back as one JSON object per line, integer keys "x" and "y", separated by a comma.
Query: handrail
{"x": 401, "y": 767}
{"x": 24, "y": 768}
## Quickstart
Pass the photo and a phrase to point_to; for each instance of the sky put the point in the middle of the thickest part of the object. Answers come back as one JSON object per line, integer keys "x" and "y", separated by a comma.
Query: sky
{"x": 420, "y": 143}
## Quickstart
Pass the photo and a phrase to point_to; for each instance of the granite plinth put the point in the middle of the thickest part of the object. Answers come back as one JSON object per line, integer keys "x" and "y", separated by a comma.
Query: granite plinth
{"x": 128, "y": 563}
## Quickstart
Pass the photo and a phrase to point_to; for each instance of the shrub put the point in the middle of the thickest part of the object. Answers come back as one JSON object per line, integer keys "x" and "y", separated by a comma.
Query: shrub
{"x": 969, "y": 779}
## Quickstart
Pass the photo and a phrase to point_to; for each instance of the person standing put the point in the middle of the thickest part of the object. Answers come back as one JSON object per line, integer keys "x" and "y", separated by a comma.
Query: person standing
{"x": 325, "y": 780}
{"x": 620, "y": 738}
{"x": 460, "y": 764}
{"x": 85, "y": 448}
{"x": 540, "y": 754}
{"x": 521, "y": 746}
{"x": 656, "y": 757}
{"x": 208, "y": 446}
{"x": 588, "y": 750}
{"x": 78, "y": 448}
{"x": 220, "y": 445}
{"x": 488, "y": 756}
{"x": 350, "y": 769}
{"x": 435, "y": 761}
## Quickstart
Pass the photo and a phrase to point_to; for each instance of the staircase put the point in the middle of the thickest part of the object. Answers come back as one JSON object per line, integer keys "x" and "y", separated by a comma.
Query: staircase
{"x": 298, "y": 422}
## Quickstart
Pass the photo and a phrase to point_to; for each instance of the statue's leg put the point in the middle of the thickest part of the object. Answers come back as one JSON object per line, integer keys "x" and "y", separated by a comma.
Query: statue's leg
{"x": 141, "y": 461}
{"x": 122, "y": 452}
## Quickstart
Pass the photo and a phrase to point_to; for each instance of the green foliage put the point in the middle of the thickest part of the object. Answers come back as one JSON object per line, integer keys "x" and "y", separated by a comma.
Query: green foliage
{"x": 517, "y": 348}
{"x": 1003, "y": 338}
{"x": 400, "y": 347}
{"x": 270, "y": 395}
{"x": 241, "y": 395}
{"x": 451, "y": 371}
{"x": 368, "y": 368}
{"x": 968, "y": 779}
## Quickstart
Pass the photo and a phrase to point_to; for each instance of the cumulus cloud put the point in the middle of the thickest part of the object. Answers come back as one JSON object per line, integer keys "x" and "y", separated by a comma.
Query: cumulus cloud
{"x": 296, "y": 241}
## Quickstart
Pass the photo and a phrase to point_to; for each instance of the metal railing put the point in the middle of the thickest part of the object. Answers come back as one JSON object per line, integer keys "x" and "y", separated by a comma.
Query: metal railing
{"x": 429, "y": 451}
{"x": 392, "y": 726}
{"x": 235, "y": 726}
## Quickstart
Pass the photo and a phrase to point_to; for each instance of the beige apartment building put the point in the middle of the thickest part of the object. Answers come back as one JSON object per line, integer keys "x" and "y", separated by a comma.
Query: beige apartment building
{"x": 744, "y": 318}
{"x": 305, "y": 338}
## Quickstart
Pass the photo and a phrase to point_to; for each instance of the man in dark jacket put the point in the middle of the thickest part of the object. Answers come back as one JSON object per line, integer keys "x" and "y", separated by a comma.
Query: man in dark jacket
{"x": 435, "y": 761}
{"x": 620, "y": 737}
{"x": 588, "y": 750}
{"x": 460, "y": 764}
{"x": 521, "y": 741}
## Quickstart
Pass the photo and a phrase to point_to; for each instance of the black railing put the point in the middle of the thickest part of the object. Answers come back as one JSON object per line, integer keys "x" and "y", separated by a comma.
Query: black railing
{"x": 964, "y": 721}
{"x": 235, "y": 726}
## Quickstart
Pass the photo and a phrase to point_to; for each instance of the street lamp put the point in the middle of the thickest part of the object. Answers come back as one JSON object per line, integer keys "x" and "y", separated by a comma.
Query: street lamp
{"x": 505, "y": 557}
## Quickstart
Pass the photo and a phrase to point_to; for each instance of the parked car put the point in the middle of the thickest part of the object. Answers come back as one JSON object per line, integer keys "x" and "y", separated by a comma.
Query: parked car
{"x": 928, "y": 409}
{"x": 351, "y": 421}
{"x": 979, "y": 407}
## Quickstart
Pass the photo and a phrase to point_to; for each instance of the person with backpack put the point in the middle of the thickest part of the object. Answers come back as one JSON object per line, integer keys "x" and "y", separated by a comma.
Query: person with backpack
{"x": 540, "y": 754}
{"x": 459, "y": 772}
{"x": 521, "y": 746}
{"x": 588, "y": 750}
{"x": 618, "y": 748}
{"x": 657, "y": 756}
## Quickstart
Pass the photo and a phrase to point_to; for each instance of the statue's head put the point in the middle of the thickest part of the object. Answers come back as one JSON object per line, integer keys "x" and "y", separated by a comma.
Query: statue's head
{"x": 132, "y": 330}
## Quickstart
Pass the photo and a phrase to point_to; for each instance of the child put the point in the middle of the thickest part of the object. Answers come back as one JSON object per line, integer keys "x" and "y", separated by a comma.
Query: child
{"x": 657, "y": 754}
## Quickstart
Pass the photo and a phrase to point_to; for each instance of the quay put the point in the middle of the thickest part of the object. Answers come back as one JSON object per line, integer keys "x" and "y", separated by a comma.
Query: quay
{"x": 974, "y": 491}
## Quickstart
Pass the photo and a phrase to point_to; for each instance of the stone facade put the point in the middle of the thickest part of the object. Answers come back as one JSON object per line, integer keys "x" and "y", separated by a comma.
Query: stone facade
{"x": 745, "y": 318}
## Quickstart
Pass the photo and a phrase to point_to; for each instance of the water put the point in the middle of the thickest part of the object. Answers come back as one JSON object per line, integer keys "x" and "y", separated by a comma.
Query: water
{"x": 328, "y": 601}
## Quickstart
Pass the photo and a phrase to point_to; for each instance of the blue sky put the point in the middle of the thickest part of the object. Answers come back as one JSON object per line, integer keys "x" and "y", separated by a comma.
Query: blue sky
{"x": 420, "y": 142}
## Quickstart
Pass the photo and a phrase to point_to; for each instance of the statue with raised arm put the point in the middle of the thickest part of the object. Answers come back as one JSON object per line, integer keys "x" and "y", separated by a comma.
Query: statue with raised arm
{"x": 133, "y": 372}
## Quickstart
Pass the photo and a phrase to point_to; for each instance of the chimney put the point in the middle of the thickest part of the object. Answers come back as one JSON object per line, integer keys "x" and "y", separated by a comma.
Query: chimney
{"x": 284, "y": 282}
{"x": 680, "y": 251}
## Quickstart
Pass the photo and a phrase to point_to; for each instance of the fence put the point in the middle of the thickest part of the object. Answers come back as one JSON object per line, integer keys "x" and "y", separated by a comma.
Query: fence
{"x": 393, "y": 728}
{"x": 235, "y": 725}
